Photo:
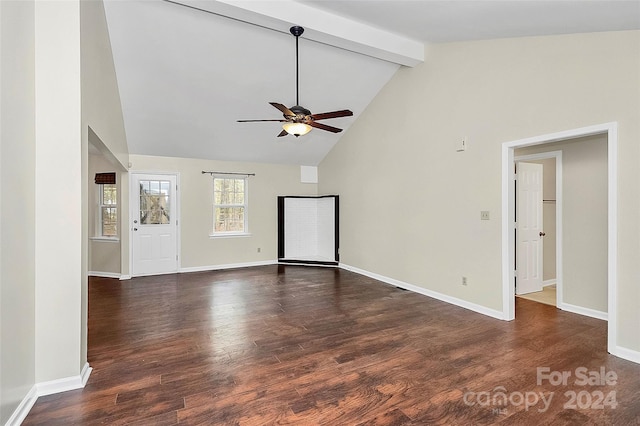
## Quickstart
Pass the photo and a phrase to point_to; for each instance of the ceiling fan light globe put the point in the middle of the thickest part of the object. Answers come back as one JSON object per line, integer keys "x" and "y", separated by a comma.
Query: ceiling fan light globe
{"x": 296, "y": 129}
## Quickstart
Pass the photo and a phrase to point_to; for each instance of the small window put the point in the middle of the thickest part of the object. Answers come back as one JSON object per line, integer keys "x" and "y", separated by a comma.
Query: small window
{"x": 107, "y": 211}
{"x": 229, "y": 206}
{"x": 155, "y": 202}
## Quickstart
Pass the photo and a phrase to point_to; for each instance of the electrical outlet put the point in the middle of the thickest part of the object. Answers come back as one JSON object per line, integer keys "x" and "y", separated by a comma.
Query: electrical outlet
{"x": 464, "y": 280}
{"x": 484, "y": 215}
{"x": 461, "y": 144}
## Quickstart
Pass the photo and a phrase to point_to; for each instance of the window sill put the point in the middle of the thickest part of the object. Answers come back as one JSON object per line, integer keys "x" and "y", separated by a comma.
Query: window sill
{"x": 106, "y": 239}
{"x": 230, "y": 235}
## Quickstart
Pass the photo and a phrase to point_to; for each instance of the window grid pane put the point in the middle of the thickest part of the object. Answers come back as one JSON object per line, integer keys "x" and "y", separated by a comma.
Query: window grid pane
{"x": 229, "y": 219}
{"x": 109, "y": 194}
{"x": 109, "y": 221}
{"x": 155, "y": 205}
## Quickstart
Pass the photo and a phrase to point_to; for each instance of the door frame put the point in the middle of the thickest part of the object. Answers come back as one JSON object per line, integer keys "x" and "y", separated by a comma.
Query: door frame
{"x": 132, "y": 214}
{"x": 558, "y": 156}
{"x": 508, "y": 211}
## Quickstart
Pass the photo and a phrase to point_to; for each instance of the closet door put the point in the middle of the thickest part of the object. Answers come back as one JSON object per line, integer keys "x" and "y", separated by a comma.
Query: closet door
{"x": 308, "y": 229}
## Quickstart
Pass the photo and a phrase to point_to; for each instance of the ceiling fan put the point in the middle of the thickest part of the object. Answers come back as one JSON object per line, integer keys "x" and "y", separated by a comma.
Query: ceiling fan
{"x": 298, "y": 120}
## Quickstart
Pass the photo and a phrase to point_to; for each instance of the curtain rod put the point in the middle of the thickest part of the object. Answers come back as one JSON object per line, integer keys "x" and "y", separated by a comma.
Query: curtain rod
{"x": 229, "y": 173}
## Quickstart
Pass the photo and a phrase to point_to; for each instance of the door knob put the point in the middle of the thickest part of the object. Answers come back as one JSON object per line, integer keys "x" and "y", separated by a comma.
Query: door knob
{"x": 542, "y": 234}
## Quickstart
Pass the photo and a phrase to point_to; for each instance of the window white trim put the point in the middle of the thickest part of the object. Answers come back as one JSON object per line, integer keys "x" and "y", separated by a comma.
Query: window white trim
{"x": 229, "y": 234}
{"x": 106, "y": 239}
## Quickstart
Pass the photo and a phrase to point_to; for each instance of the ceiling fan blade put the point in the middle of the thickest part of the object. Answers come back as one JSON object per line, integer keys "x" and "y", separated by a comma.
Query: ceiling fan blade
{"x": 253, "y": 121}
{"x": 282, "y": 133}
{"x": 286, "y": 111}
{"x": 324, "y": 127}
{"x": 332, "y": 114}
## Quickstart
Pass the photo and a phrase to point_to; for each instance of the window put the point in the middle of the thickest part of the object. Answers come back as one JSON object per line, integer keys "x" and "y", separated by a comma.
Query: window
{"x": 155, "y": 205}
{"x": 107, "y": 211}
{"x": 229, "y": 206}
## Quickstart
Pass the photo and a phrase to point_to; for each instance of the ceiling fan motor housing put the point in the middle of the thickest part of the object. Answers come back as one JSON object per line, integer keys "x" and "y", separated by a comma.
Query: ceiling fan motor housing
{"x": 299, "y": 111}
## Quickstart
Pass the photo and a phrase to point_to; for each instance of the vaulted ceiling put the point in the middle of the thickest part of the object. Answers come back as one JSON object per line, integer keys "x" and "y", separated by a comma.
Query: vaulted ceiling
{"x": 188, "y": 69}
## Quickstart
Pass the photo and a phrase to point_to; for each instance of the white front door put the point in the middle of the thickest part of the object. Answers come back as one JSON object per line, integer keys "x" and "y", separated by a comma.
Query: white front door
{"x": 154, "y": 240}
{"x": 529, "y": 229}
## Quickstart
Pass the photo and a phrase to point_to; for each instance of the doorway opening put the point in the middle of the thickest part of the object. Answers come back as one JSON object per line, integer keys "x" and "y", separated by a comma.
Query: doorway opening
{"x": 608, "y": 131}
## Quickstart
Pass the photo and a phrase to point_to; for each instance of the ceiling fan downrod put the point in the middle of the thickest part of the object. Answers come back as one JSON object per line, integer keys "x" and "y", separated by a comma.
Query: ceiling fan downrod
{"x": 297, "y": 32}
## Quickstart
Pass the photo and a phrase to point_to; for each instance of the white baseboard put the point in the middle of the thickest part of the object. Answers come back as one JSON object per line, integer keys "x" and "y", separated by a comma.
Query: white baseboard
{"x": 547, "y": 283}
{"x": 227, "y": 266}
{"x": 48, "y": 388}
{"x": 315, "y": 265}
{"x": 628, "y": 354}
{"x": 433, "y": 294}
{"x": 104, "y": 274}
{"x": 23, "y": 408}
{"x": 583, "y": 311}
{"x": 208, "y": 268}
{"x": 65, "y": 384}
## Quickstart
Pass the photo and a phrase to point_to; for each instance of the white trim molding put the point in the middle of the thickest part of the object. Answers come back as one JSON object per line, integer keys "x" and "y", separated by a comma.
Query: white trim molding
{"x": 628, "y": 354}
{"x": 227, "y": 266}
{"x": 65, "y": 384}
{"x": 104, "y": 274}
{"x": 105, "y": 239}
{"x": 583, "y": 311}
{"x": 429, "y": 293}
{"x": 22, "y": 411}
{"x": 48, "y": 388}
{"x": 230, "y": 234}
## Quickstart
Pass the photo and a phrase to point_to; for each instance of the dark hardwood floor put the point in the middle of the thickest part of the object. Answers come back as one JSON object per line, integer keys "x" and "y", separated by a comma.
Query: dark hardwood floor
{"x": 302, "y": 345}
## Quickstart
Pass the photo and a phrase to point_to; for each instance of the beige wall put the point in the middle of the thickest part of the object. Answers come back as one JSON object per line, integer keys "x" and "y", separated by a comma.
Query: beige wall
{"x": 410, "y": 204}
{"x": 103, "y": 127}
{"x": 59, "y": 242}
{"x": 584, "y": 221}
{"x": 17, "y": 204}
{"x": 198, "y": 250}
{"x": 44, "y": 142}
{"x": 102, "y": 120}
{"x": 101, "y": 106}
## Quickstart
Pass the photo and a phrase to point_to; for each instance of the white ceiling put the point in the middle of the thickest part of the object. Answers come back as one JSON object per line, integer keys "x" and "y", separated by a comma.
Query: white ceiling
{"x": 458, "y": 20}
{"x": 187, "y": 72}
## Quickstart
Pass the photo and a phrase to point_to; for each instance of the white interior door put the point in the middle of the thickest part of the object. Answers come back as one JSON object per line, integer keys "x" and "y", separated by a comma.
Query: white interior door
{"x": 529, "y": 228}
{"x": 154, "y": 240}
